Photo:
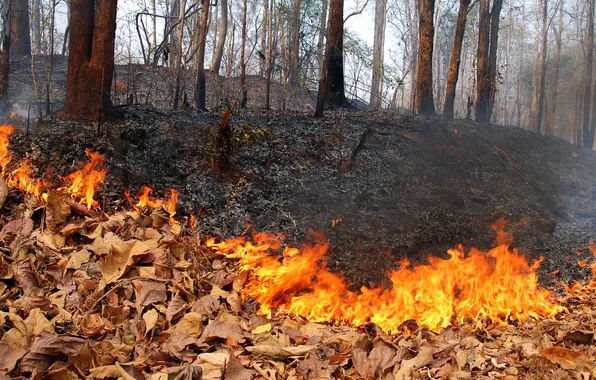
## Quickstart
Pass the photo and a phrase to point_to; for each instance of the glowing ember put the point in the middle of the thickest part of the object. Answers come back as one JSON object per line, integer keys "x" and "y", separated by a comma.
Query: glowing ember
{"x": 482, "y": 287}
{"x": 82, "y": 183}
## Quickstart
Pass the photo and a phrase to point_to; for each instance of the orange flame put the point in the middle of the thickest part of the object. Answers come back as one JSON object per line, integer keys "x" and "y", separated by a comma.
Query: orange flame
{"x": 12, "y": 114}
{"x": 82, "y": 183}
{"x": 23, "y": 178}
{"x": 5, "y": 157}
{"x": 169, "y": 204}
{"x": 493, "y": 287}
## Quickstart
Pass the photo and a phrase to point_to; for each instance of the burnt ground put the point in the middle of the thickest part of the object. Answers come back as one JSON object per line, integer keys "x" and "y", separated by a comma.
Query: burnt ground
{"x": 402, "y": 186}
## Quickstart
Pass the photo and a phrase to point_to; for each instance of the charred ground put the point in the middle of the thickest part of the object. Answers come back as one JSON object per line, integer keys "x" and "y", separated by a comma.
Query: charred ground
{"x": 402, "y": 186}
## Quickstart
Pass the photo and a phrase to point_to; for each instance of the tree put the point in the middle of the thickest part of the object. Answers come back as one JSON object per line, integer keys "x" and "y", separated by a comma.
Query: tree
{"x": 495, "y": 17}
{"x": 179, "y": 40}
{"x": 331, "y": 82}
{"x": 91, "y": 59}
{"x": 200, "y": 79}
{"x": 588, "y": 136}
{"x": 462, "y": 15}
{"x": 221, "y": 42}
{"x": 482, "y": 77}
{"x": 20, "y": 44}
{"x": 243, "y": 59}
{"x": 5, "y": 59}
{"x": 378, "y": 54}
{"x": 424, "y": 72}
{"x": 295, "y": 46}
{"x": 551, "y": 117}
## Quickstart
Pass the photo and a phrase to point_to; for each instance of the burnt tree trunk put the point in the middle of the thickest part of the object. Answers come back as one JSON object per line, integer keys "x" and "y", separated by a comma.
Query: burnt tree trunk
{"x": 243, "y": 58}
{"x": 20, "y": 44}
{"x": 321, "y": 37}
{"x": 295, "y": 46}
{"x": 495, "y": 17}
{"x": 588, "y": 141}
{"x": 424, "y": 73}
{"x": 91, "y": 59}
{"x": 482, "y": 76}
{"x": 221, "y": 42}
{"x": 200, "y": 80}
{"x": 376, "y": 88}
{"x": 36, "y": 21}
{"x": 453, "y": 76}
{"x": 550, "y": 126}
{"x": 331, "y": 83}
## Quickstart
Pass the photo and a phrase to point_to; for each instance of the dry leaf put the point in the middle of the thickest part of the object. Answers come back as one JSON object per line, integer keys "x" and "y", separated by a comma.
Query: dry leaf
{"x": 150, "y": 319}
{"x": 3, "y": 191}
{"x": 148, "y": 292}
{"x": 57, "y": 210}
{"x": 9, "y": 356}
{"x": 279, "y": 353}
{"x": 78, "y": 258}
{"x": 191, "y": 323}
{"x": 37, "y": 323}
{"x": 176, "y": 307}
{"x": 206, "y": 305}
{"x": 567, "y": 359}
{"x": 49, "y": 348}
{"x": 262, "y": 329}
{"x": 424, "y": 357}
{"x": 223, "y": 330}
{"x": 18, "y": 227}
{"x": 371, "y": 365}
{"x": 121, "y": 257}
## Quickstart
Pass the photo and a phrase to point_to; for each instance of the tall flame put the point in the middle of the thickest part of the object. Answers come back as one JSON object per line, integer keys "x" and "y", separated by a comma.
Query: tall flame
{"x": 83, "y": 182}
{"x": 5, "y": 157}
{"x": 493, "y": 287}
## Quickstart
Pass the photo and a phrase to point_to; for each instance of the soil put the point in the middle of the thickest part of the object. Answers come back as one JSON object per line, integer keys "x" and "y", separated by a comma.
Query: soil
{"x": 401, "y": 186}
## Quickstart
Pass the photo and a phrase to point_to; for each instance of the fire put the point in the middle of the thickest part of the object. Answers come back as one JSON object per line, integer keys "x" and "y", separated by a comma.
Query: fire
{"x": 5, "y": 157}
{"x": 23, "y": 178}
{"x": 169, "y": 204}
{"x": 12, "y": 114}
{"x": 82, "y": 183}
{"x": 492, "y": 287}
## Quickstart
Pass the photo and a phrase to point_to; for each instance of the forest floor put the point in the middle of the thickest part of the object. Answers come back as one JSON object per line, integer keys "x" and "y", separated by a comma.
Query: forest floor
{"x": 123, "y": 293}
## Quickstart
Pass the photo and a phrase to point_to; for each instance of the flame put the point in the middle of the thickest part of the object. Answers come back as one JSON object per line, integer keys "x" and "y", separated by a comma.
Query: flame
{"x": 145, "y": 200}
{"x": 82, "y": 183}
{"x": 12, "y": 114}
{"x": 23, "y": 178}
{"x": 169, "y": 204}
{"x": 492, "y": 287}
{"x": 5, "y": 157}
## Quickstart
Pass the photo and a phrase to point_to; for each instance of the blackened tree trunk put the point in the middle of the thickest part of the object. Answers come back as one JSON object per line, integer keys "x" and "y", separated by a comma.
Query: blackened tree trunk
{"x": 495, "y": 17}
{"x": 243, "y": 58}
{"x": 376, "y": 88}
{"x": 295, "y": 46}
{"x": 588, "y": 139}
{"x": 331, "y": 83}
{"x": 221, "y": 42}
{"x": 36, "y": 13}
{"x": 20, "y": 44}
{"x": 200, "y": 80}
{"x": 91, "y": 59}
{"x": 551, "y": 117}
{"x": 453, "y": 76}
{"x": 322, "y": 32}
{"x": 482, "y": 76}
{"x": 424, "y": 74}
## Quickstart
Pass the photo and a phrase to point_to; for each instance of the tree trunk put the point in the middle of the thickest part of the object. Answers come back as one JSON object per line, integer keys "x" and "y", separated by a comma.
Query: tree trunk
{"x": 179, "y": 39}
{"x": 221, "y": 42}
{"x": 20, "y": 44}
{"x": 5, "y": 63}
{"x": 482, "y": 77}
{"x": 270, "y": 48}
{"x": 448, "y": 110}
{"x": 295, "y": 46}
{"x": 322, "y": 32}
{"x": 551, "y": 117}
{"x": 200, "y": 80}
{"x": 36, "y": 25}
{"x": 51, "y": 60}
{"x": 414, "y": 56}
{"x": 331, "y": 86}
{"x": 264, "y": 21}
{"x": 424, "y": 76}
{"x": 588, "y": 140}
{"x": 376, "y": 89}
{"x": 243, "y": 59}
{"x": 91, "y": 59}
{"x": 537, "y": 127}
{"x": 495, "y": 17}
{"x": 520, "y": 66}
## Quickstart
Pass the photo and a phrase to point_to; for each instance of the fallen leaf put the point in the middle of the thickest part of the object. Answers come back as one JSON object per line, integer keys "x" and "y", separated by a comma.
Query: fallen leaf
{"x": 49, "y": 348}
{"x": 372, "y": 365}
{"x": 176, "y": 307}
{"x": 190, "y": 323}
{"x": 279, "y": 353}
{"x": 206, "y": 305}
{"x": 148, "y": 292}
{"x": 424, "y": 357}
{"x": 567, "y": 359}
{"x": 19, "y": 227}
{"x": 262, "y": 329}
{"x": 223, "y": 330}
{"x": 37, "y": 323}
{"x": 57, "y": 210}
{"x": 150, "y": 319}
{"x": 78, "y": 258}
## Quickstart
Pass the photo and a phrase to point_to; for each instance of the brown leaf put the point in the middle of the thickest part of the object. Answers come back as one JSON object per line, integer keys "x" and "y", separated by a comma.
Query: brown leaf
{"x": 187, "y": 372}
{"x": 191, "y": 323}
{"x": 92, "y": 325}
{"x": 206, "y": 305}
{"x": 25, "y": 276}
{"x": 279, "y": 353}
{"x": 9, "y": 356}
{"x": 57, "y": 210}
{"x": 3, "y": 191}
{"x": 78, "y": 258}
{"x": 150, "y": 319}
{"x": 567, "y": 359}
{"x": 580, "y": 337}
{"x": 235, "y": 370}
{"x": 424, "y": 357}
{"x": 121, "y": 257}
{"x": 176, "y": 308}
{"x": 148, "y": 292}
{"x": 49, "y": 348}
{"x": 370, "y": 366}
{"x": 37, "y": 324}
{"x": 18, "y": 227}
{"x": 175, "y": 342}
{"x": 222, "y": 330}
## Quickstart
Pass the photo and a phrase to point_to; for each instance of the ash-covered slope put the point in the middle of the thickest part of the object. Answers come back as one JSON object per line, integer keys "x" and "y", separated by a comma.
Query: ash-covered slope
{"x": 402, "y": 186}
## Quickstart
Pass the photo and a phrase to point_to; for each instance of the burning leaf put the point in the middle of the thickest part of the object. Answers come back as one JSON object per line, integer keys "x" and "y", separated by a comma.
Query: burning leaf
{"x": 82, "y": 183}
{"x": 148, "y": 292}
{"x": 279, "y": 353}
{"x": 567, "y": 359}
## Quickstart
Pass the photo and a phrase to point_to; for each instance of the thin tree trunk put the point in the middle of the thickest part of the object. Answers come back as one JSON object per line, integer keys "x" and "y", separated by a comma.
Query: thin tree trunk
{"x": 520, "y": 66}
{"x": 322, "y": 32}
{"x": 542, "y": 74}
{"x": 588, "y": 141}
{"x": 448, "y": 110}
{"x": 5, "y": 63}
{"x": 269, "y": 58}
{"x": 200, "y": 79}
{"x": 283, "y": 72}
{"x": 495, "y": 17}
{"x": 243, "y": 59}
{"x": 154, "y": 19}
{"x": 424, "y": 77}
{"x": 36, "y": 24}
{"x": 482, "y": 77}
{"x": 179, "y": 39}
{"x": 264, "y": 48}
{"x": 295, "y": 47}
{"x": 378, "y": 54}
{"x": 51, "y": 60}
{"x": 414, "y": 58}
{"x": 551, "y": 117}
{"x": 221, "y": 42}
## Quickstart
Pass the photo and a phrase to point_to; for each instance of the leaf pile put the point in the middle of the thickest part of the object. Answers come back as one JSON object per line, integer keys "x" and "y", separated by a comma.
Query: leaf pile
{"x": 131, "y": 296}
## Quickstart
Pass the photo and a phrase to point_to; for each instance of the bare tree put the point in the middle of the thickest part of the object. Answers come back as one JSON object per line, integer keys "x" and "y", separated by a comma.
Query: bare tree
{"x": 200, "y": 79}
{"x": 462, "y": 15}
{"x": 91, "y": 59}
{"x": 243, "y": 58}
{"x": 376, "y": 89}
{"x": 588, "y": 136}
{"x": 551, "y": 117}
{"x": 424, "y": 74}
{"x": 495, "y": 17}
{"x": 221, "y": 42}
{"x": 483, "y": 81}
{"x": 20, "y": 44}
{"x": 295, "y": 47}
